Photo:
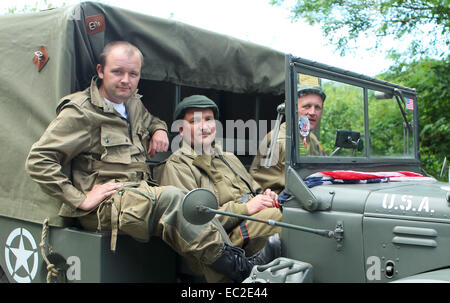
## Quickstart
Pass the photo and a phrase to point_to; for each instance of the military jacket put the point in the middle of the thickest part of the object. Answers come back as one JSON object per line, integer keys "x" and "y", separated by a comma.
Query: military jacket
{"x": 98, "y": 144}
{"x": 274, "y": 176}
{"x": 221, "y": 172}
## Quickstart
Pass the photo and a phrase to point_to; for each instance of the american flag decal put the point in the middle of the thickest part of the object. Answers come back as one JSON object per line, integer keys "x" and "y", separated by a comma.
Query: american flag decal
{"x": 410, "y": 103}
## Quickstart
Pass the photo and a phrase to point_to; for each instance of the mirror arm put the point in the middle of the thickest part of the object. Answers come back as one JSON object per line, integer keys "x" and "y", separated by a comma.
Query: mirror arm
{"x": 273, "y": 142}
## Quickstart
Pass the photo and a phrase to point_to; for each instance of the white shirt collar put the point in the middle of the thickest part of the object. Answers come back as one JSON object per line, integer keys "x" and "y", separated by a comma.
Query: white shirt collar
{"x": 119, "y": 107}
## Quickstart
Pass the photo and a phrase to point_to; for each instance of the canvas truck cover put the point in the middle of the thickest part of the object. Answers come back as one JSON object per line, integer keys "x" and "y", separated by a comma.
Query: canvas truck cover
{"x": 73, "y": 38}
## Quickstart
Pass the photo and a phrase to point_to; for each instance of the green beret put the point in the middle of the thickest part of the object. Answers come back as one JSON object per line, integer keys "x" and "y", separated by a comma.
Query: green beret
{"x": 305, "y": 89}
{"x": 195, "y": 101}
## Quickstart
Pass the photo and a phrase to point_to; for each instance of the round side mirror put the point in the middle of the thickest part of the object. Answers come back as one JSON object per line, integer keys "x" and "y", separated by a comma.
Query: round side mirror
{"x": 194, "y": 201}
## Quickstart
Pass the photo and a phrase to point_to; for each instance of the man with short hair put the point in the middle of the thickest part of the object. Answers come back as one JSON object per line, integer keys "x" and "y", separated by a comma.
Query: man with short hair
{"x": 200, "y": 162}
{"x": 105, "y": 132}
{"x": 310, "y": 104}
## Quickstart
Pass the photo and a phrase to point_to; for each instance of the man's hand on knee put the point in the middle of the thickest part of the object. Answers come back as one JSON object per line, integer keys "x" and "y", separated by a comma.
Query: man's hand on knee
{"x": 97, "y": 194}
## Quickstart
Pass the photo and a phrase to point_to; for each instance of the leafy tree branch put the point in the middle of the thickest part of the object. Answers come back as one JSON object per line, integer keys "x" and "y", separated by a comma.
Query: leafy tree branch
{"x": 343, "y": 22}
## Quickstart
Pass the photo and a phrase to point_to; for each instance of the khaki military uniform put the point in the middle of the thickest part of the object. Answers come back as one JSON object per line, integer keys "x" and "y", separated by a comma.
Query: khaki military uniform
{"x": 102, "y": 146}
{"x": 223, "y": 174}
{"x": 274, "y": 176}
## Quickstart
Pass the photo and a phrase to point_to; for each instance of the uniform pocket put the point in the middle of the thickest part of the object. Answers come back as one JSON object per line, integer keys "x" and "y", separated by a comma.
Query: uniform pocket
{"x": 234, "y": 188}
{"x": 136, "y": 213}
{"x": 116, "y": 146}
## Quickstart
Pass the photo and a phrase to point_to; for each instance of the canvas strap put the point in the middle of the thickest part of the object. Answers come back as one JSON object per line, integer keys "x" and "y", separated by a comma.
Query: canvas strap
{"x": 244, "y": 233}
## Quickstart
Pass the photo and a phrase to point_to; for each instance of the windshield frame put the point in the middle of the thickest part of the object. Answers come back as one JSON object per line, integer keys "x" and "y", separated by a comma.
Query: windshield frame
{"x": 294, "y": 66}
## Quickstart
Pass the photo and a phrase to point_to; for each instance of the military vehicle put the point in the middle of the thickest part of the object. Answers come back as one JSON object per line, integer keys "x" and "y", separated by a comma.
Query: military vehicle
{"x": 365, "y": 232}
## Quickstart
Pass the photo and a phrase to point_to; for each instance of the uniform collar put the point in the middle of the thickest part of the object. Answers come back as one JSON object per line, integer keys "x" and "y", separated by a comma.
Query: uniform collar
{"x": 187, "y": 150}
{"x": 98, "y": 100}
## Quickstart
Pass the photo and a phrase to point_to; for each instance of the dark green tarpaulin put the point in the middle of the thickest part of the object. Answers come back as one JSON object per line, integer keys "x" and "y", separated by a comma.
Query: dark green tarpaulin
{"x": 173, "y": 52}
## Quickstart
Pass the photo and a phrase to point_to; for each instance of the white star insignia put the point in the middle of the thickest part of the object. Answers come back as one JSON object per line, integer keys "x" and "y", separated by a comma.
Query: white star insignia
{"x": 22, "y": 256}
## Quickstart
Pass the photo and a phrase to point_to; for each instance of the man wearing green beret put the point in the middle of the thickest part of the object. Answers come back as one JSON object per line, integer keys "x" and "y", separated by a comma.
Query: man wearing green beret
{"x": 310, "y": 104}
{"x": 200, "y": 162}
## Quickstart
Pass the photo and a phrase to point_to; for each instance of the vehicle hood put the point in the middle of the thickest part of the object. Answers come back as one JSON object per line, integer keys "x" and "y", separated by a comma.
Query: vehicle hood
{"x": 414, "y": 200}
{"x": 411, "y": 200}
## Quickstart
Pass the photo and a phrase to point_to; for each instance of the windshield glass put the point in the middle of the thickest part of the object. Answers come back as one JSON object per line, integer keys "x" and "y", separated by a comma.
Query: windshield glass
{"x": 390, "y": 136}
{"x": 337, "y": 119}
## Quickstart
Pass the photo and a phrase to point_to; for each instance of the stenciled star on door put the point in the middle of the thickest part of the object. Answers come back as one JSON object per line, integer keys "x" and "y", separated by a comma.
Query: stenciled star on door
{"x": 22, "y": 256}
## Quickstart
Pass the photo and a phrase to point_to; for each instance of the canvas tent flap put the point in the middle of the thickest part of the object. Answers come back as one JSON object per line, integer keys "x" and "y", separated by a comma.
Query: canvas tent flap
{"x": 173, "y": 52}
{"x": 182, "y": 54}
{"x": 28, "y": 99}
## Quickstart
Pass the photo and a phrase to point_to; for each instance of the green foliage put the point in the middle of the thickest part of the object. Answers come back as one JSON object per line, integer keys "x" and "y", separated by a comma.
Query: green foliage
{"x": 432, "y": 81}
{"x": 33, "y": 7}
{"x": 422, "y": 25}
{"x": 340, "y": 99}
{"x": 388, "y": 133}
{"x": 344, "y": 109}
{"x": 426, "y": 23}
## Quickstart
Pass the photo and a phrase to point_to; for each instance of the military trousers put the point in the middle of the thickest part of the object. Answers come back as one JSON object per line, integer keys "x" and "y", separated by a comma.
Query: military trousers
{"x": 199, "y": 244}
{"x": 251, "y": 236}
